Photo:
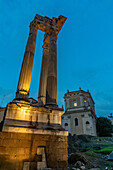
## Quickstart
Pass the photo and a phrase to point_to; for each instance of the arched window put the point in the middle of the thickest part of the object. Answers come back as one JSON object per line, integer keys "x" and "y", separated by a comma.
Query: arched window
{"x": 66, "y": 124}
{"x": 87, "y": 123}
{"x": 76, "y": 122}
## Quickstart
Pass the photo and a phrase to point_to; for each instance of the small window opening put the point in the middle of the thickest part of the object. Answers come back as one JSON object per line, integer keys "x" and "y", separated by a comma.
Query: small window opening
{"x": 66, "y": 124}
{"x": 76, "y": 122}
{"x": 75, "y": 104}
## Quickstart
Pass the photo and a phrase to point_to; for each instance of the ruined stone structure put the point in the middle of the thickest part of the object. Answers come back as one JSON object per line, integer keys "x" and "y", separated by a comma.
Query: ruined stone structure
{"x": 79, "y": 117}
{"x": 31, "y": 135}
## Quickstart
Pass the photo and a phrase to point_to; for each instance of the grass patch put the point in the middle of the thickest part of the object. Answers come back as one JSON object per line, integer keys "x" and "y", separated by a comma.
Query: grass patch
{"x": 101, "y": 138}
{"x": 104, "y": 150}
{"x": 107, "y": 149}
{"x": 92, "y": 149}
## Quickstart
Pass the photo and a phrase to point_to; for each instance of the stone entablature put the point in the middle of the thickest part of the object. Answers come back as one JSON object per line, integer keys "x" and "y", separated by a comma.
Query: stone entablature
{"x": 79, "y": 116}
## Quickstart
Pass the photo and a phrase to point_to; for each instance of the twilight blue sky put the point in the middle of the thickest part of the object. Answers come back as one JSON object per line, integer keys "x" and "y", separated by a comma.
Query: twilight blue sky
{"x": 84, "y": 47}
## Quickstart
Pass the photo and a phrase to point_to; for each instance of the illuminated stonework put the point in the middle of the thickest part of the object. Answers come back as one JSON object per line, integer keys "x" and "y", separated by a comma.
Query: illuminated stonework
{"x": 48, "y": 78}
{"x": 31, "y": 135}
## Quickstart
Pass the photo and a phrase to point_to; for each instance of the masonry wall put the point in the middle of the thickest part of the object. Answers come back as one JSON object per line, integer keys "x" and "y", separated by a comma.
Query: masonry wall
{"x": 82, "y": 127}
{"x": 17, "y": 148}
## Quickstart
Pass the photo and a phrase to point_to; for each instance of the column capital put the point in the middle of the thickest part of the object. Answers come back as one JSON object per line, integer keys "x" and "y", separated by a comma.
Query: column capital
{"x": 34, "y": 25}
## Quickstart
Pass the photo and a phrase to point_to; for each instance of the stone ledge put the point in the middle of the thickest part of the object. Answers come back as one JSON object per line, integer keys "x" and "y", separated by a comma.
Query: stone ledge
{"x": 34, "y": 131}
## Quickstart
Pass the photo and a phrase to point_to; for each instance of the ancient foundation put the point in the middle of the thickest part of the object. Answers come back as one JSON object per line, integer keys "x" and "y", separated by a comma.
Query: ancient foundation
{"x": 32, "y": 138}
{"x": 21, "y": 151}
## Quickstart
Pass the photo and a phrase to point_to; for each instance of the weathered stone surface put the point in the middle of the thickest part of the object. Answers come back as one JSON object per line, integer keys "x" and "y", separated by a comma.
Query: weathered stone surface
{"x": 23, "y": 117}
{"x": 47, "y": 24}
{"x": 17, "y": 148}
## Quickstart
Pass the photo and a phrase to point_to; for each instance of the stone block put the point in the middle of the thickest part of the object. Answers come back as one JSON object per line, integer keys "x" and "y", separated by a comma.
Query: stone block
{"x": 16, "y": 148}
{"x": 26, "y": 166}
{"x": 33, "y": 165}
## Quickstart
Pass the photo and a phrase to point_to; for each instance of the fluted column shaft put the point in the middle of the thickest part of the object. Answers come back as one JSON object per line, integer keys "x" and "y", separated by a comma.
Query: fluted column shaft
{"x": 43, "y": 76}
{"x": 51, "y": 95}
{"x": 26, "y": 69}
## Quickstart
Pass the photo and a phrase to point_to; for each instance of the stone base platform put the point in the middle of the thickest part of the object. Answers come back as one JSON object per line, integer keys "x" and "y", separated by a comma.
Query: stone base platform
{"x": 20, "y": 151}
{"x": 26, "y": 116}
{"x": 32, "y": 138}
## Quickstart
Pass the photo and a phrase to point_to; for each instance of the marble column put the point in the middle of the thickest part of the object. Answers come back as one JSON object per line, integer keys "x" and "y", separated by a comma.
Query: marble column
{"x": 51, "y": 92}
{"x": 44, "y": 73}
{"x": 26, "y": 69}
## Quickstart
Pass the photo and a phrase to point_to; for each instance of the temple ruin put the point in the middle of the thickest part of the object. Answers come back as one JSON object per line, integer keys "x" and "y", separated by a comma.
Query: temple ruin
{"x": 31, "y": 135}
